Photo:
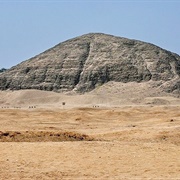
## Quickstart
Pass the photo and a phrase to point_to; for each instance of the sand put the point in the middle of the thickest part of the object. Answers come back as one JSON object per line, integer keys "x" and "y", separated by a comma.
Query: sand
{"x": 118, "y": 131}
{"x": 119, "y": 143}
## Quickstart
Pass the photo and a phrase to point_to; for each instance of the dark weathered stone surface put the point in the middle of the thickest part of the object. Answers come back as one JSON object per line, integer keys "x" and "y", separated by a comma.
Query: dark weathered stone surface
{"x": 2, "y": 70}
{"x": 85, "y": 62}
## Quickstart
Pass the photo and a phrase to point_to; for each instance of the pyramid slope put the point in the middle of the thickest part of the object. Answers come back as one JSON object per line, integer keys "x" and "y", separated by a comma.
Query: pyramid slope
{"x": 81, "y": 64}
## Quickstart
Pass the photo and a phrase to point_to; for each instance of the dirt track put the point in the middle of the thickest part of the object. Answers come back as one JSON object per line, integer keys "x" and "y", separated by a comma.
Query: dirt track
{"x": 90, "y": 143}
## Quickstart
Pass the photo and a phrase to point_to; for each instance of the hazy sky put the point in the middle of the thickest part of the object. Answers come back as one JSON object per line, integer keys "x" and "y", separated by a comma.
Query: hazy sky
{"x": 29, "y": 27}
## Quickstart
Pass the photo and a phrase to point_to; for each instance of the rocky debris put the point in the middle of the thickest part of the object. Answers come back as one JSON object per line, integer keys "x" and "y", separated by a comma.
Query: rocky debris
{"x": 86, "y": 62}
{"x": 42, "y": 136}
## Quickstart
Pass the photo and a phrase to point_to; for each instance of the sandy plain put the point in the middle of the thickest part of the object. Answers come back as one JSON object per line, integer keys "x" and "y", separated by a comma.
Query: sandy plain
{"x": 91, "y": 140}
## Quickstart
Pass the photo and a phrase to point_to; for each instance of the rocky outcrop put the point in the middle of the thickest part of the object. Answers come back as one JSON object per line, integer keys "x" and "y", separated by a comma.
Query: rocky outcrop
{"x": 88, "y": 61}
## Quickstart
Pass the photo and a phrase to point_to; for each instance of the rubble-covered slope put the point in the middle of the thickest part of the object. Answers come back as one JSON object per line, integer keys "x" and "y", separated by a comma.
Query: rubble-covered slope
{"x": 88, "y": 61}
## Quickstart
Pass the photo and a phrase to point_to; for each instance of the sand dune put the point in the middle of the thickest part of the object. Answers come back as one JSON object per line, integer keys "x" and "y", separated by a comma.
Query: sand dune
{"x": 111, "y": 94}
{"x": 117, "y": 131}
{"x": 141, "y": 142}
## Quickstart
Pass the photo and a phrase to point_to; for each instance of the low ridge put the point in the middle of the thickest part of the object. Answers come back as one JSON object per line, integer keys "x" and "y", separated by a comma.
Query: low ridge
{"x": 86, "y": 62}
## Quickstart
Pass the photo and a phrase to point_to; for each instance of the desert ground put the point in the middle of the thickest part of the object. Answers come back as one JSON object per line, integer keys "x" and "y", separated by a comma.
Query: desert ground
{"x": 90, "y": 137}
